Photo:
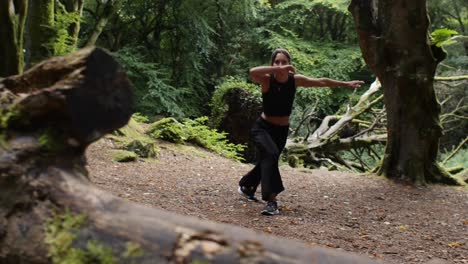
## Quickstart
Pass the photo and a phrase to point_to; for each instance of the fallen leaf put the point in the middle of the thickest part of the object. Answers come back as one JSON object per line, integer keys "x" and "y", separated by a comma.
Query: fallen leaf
{"x": 403, "y": 227}
{"x": 454, "y": 244}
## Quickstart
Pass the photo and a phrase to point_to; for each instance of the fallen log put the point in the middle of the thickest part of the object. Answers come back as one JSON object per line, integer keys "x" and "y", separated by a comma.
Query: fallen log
{"x": 323, "y": 144}
{"x": 51, "y": 213}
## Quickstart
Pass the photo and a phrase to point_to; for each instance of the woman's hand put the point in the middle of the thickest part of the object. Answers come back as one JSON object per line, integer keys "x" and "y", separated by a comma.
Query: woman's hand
{"x": 354, "y": 84}
{"x": 286, "y": 69}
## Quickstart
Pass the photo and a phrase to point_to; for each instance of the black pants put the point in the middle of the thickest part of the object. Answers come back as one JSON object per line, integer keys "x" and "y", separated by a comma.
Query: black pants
{"x": 270, "y": 140}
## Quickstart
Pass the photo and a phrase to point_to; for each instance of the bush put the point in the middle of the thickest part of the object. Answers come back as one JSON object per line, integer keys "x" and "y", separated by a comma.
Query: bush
{"x": 195, "y": 132}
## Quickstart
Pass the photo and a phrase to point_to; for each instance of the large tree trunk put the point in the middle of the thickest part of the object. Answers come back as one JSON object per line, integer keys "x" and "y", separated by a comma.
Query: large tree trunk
{"x": 40, "y": 34}
{"x": 50, "y": 211}
{"x": 393, "y": 36}
{"x": 12, "y": 20}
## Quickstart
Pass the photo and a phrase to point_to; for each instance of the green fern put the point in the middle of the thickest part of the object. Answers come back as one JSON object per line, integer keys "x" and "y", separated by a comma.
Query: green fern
{"x": 442, "y": 36}
{"x": 195, "y": 132}
{"x": 64, "y": 43}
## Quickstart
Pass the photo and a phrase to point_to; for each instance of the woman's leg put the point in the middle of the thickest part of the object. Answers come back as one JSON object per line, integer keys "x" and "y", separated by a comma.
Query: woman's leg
{"x": 270, "y": 141}
{"x": 250, "y": 181}
{"x": 272, "y": 183}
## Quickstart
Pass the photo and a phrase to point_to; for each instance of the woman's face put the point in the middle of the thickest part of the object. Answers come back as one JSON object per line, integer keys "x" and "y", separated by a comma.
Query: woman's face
{"x": 280, "y": 60}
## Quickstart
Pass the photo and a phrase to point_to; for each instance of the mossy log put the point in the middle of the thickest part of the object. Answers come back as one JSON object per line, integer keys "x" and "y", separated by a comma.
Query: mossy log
{"x": 51, "y": 213}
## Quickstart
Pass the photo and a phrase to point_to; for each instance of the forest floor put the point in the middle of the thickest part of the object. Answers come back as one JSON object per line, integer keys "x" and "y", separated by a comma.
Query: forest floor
{"x": 364, "y": 214}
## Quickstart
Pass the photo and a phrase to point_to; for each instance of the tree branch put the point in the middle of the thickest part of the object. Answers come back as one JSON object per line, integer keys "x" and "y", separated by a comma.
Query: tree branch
{"x": 451, "y": 78}
{"x": 455, "y": 151}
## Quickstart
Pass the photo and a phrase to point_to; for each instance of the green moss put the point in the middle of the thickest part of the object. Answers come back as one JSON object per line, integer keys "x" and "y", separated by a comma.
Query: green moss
{"x": 50, "y": 141}
{"x": 168, "y": 129}
{"x": 123, "y": 155}
{"x": 295, "y": 162}
{"x": 140, "y": 118}
{"x": 60, "y": 236}
{"x": 132, "y": 138}
{"x": 99, "y": 253}
{"x": 132, "y": 130}
{"x": 143, "y": 147}
{"x": 9, "y": 115}
{"x": 218, "y": 104}
{"x": 61, "y": 232}
{"x": 133, "y": 250}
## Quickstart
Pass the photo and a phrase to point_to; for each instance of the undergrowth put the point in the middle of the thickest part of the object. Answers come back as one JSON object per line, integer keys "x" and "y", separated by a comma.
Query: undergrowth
{"x": 195, "y": 132}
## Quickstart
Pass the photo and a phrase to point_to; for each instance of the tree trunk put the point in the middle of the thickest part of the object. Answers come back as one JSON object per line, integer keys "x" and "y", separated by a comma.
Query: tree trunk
{"x": 102, "y": 18}
{"x": 51, "y": 212}
{"x": 393, "y": 36}
{"x": 12, "y": 20}
{"x": 40, "y": 31}
{"x": 74, "y": 6}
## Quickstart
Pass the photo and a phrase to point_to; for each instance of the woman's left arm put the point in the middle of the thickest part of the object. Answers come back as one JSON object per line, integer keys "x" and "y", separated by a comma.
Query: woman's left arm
{"x": 305, "y": 81}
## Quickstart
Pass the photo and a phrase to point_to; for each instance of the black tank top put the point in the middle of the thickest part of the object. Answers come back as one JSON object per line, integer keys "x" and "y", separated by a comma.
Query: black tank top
{"x": 279, "y": 99}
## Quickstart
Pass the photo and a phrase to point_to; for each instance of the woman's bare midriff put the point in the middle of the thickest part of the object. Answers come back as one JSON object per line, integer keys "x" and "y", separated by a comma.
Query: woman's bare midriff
{"x": 276, "y": 120}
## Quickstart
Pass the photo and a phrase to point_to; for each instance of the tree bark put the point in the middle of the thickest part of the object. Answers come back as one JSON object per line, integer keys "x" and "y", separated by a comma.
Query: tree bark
{"x": 393, "y": 35}
{"x": 12, "y": 21}
{"x": 40, "y": 32}
{"x": 50, "y": 211}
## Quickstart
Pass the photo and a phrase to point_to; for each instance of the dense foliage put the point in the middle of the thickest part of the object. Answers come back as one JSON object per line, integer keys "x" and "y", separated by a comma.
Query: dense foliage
{"x": 181, "y": 55}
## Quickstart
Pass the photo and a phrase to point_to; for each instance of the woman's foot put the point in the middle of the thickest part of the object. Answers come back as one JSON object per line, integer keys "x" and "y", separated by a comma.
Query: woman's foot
{"x": 271, "y": 208}
{"x": 247, "y": 193}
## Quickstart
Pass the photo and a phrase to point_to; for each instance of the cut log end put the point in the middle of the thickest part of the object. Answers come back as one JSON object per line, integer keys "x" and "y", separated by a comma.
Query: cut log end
{"x": 82, "y": 95}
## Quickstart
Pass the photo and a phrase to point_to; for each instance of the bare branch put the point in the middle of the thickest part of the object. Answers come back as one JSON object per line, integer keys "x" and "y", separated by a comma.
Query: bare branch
{"x": 451, "y": 78}
{"x": 455, "y": 151}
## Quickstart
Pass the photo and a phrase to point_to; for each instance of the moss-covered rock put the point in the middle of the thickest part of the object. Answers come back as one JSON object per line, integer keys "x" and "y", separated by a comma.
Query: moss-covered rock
{"x": 120, "y": 155}
{"x": 132, "y": 138}
{"x": 235, "y": 107}
{"x": 132, "y": 130}
{"x": 295, "y": 162}
{"x": 143, "y": 147}
{"x": 168, "y": 129}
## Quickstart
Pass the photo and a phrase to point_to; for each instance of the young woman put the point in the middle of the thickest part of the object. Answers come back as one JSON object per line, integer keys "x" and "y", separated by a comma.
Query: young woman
{"x": 278, "y": 82}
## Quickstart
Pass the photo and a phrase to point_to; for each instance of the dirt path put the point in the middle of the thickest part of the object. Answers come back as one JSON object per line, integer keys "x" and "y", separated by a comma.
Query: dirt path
{"x": 364, "y": 214}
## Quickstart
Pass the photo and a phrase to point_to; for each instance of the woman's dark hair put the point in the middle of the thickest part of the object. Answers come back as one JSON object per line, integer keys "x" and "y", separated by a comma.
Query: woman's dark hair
{"x": 282, "y": 51}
